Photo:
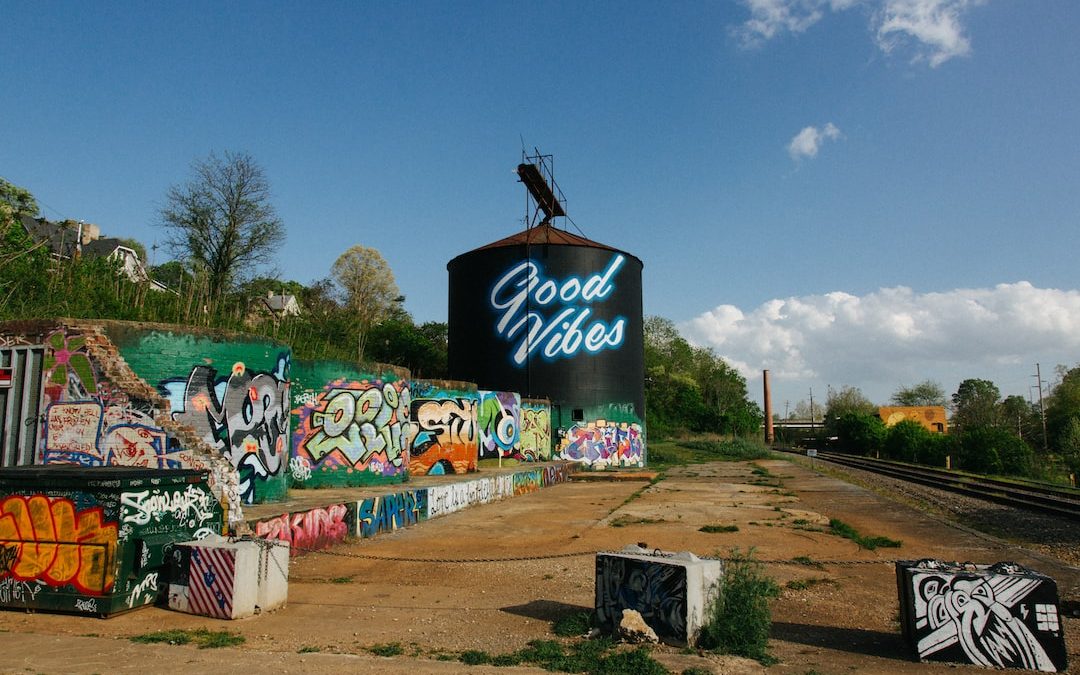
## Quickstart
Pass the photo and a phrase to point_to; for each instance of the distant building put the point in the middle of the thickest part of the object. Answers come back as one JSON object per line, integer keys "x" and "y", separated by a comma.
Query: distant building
{"x": 930, "y": 416}
{"x": 275, "y": 306}
{"x": 69, "y": 239}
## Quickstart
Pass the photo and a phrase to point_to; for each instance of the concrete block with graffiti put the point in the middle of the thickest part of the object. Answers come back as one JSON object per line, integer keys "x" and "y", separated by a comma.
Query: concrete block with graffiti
{"x": 498, "y": 424}
{"x": 443, "y": 437}
{"x": 674, "y": 592}
{"x": 350, "y": 427}
{"x": 312, "y": 530}
{"x": 536, "y": 429}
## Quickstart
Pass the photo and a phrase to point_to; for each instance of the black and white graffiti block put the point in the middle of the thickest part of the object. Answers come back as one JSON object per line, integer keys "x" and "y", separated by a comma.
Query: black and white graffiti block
{"x": 999, "y": 616}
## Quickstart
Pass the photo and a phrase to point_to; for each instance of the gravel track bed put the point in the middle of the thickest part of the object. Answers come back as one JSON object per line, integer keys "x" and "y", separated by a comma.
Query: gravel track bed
{"x": 1051, "y": 536}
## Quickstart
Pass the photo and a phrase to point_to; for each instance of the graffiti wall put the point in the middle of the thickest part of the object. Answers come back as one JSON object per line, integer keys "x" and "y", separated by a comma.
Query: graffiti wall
{"x": 536, "y": 430}
{"x": 349, "y": 427}
{"x": 443, "y": 438}
{"x": 600, "y": 444}
{"x": 312, "y": 530}
{"x": 89, "y": 420}
{"x": 82, "y": 545}
{"x": 498, "y": 425}
{"x": 390, "y": 512}
{"x": 232, "y": 389}
{"x": 999, "y": 616}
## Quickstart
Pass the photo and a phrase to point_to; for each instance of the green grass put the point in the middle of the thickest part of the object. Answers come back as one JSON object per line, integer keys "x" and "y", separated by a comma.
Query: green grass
{"x": 740, "y": 619}
{"x": 807, "y": 561}
{"x": 389, "y": 649}
{"x": 842, "y": 529}
{"x": 574, "y": 624}
{"x": 201, "y": 637}
{"x": 713, "y": 529}
{"x": 669, "y": 453}
{"x": 597, "y": 657}
{"x": 308, "y": 650}
{"x": 341, "y": 580}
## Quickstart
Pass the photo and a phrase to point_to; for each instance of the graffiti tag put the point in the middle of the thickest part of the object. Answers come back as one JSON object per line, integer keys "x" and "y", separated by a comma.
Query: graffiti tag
{"x": 193, "y": 505}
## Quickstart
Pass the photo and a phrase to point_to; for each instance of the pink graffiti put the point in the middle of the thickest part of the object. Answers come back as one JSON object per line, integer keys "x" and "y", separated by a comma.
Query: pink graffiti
{"x": 312, "y": 530}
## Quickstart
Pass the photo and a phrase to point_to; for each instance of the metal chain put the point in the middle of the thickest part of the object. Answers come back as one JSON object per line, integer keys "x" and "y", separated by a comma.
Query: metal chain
{"x": 556, "y": 556}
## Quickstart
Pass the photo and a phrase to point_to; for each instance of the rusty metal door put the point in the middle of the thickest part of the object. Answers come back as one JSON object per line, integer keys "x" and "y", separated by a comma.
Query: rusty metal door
{"x": 20, "y": 402}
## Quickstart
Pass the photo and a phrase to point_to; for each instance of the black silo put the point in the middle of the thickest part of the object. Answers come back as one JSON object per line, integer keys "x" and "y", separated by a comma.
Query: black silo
{"x": 575, "y": 336}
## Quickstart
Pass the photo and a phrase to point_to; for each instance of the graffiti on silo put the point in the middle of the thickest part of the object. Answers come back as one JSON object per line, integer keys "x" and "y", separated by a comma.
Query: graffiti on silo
{"x": 522, "y": 291}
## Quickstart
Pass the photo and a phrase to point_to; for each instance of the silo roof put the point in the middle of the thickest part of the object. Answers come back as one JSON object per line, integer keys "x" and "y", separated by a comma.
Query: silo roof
{"x": 547, "y": 234}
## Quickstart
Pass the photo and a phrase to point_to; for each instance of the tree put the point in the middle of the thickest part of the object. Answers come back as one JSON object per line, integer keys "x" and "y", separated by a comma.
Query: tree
{"x": 860, "y": 432}
{"x": 975, "y": 405}
{"x": 222, "y": 220}
{"x": 15, "y": 202}
{"x": 22, "y": 285}
{"x": 926, "y": 392}
{"x": 1063, "y": 405}
{"x": 843, "y": 401}
{"x": 369, "y": 288}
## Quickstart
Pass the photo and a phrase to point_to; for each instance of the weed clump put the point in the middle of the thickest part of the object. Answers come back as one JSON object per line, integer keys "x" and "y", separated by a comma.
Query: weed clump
{"x": 389, "y": 649}
{"x": 575, "y": 624}
{"x": 713, "y": 529}
{"x": 842, "y": 529}
{"x": 201, "y": 637}
{"x": 740, "y": 619}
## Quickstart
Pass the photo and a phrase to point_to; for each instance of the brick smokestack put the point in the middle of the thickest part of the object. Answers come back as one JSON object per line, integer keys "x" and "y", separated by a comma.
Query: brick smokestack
{"x": 770, "y": 436}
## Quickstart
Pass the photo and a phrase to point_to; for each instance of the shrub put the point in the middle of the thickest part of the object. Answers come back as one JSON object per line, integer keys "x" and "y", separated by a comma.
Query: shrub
{"x": 740, "y": 619}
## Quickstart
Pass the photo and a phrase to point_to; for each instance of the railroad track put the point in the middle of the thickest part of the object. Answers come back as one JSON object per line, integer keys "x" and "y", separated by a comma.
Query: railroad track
{"x": 1060, "y": 501}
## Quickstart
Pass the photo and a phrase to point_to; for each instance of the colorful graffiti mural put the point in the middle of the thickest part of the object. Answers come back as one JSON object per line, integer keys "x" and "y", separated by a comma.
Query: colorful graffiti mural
{"x": 89, "y": 421}
{"x": 535, "y": 431}
{"x": 498, "y": 425}
{"x": 443, "y": 436}
{"x": 312, "y": 530}
{"x": 52, "y": 541}
{"x": 528, "y": 481}
{"x": 352, "y": 427}
{"x": 391, "y": 512}
{"x": 245, "y": 416}
{"x": 600, "y": 444}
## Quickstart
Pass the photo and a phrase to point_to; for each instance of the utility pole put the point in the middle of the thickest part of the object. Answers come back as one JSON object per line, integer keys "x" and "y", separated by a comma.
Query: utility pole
{"x": 1042, "y": 408}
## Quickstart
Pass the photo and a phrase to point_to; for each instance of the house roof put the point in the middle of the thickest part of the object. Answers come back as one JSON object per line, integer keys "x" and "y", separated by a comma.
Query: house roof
{"x": 61, "y": 238}
{"x": 278, "y": 303}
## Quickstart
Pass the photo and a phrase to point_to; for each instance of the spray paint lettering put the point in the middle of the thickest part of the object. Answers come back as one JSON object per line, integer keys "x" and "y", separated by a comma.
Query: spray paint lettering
{"x": 566, "y": 332}
{"x": 144, "y": 592}
{"x": 443, "y": 436}
{"x": 80, "y": 544}
{"x": 316, "y": 529}
{"x": 193, "y": 505}
{"x": 599, "y": 444}
{"x": 18, "y": 592}
{"x": 497, "y": 423}
{"x": 245, "y": 416}
{"x": 527, "y": 481}
{"x": 535, "y": 433}
{"x": 358, "y": 425}
{"x": 391, "y": 512}
{"x": 554, "y": 474}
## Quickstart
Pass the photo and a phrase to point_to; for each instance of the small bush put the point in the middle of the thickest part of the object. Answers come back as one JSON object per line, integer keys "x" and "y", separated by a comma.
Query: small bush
{"x": 474, "y": 657}
{"x": 389, "y": 649}
{"x": 714, "y": 529}
{"x": 740, "y": 619}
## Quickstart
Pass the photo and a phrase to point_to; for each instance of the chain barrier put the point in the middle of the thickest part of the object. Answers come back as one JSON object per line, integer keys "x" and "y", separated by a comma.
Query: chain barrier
{"x": 576, "y": 554}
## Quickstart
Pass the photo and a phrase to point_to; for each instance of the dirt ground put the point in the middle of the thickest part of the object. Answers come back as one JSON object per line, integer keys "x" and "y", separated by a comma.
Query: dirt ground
{"x": 341, "y": 604}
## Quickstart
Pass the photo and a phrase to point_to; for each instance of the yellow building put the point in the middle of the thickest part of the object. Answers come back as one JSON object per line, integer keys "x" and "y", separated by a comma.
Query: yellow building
{"x": 930, "y": 416}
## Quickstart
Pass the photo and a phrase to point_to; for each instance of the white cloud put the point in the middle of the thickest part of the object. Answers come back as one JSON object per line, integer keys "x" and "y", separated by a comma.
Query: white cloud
{"x": 932, "y": 27}
{"x": 933, "y": 24}
{"x": 808, "y": 141}
{"x": 895, "y": 336}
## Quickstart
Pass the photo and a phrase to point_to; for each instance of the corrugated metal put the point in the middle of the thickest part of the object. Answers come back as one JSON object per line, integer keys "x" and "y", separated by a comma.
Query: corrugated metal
{"x": 19, "y": 405}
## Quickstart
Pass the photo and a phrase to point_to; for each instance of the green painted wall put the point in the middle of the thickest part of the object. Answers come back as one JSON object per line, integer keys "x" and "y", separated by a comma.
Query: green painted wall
{"x": 350, "y": 424}
{"x": 232, "y": 388}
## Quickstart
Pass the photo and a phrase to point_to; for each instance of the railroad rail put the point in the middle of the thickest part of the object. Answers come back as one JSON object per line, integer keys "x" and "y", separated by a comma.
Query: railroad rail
{"x": 1060, "y": 501}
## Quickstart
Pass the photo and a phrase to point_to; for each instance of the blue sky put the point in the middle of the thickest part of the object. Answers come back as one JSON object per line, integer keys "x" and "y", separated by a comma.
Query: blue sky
{"x": 847, "y": 192}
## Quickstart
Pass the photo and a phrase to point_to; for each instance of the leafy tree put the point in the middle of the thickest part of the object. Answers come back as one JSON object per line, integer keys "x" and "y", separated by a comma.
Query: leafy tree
{"x": 15, "y": 202}
{"x": 1020, "y": 417}
{"x": 924, "y": 393}
{"x": 1068, "y": 444}
{"x": 222, "y": 220}
{"x": 1063, "y": 405}
{"x": 860, "y": 432}
{"x": 906, "y": 441}
{"x": 371, "y": 293}
{"x": 975, "y": 405}
{"x": 843, "y": 401}
{"x": 991, "y": 450}
{"x": 22, "y": 261}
